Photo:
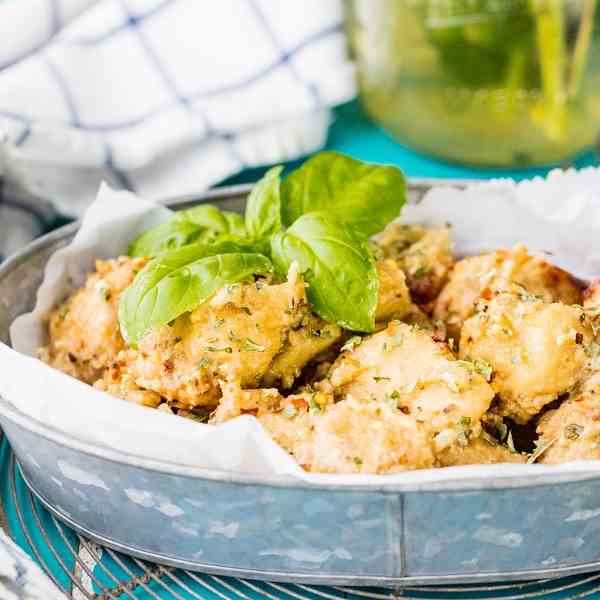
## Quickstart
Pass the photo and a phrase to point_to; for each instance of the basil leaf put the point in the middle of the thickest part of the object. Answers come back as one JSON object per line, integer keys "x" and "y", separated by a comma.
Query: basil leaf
{"x": 166, "y": 236}
{"x": 181, "y": 280}
{"x": 337, "y": 265}
{"x": 214, "y": 219}
{"x": 204, "y": 223}
{"x": 263, "y": 208}
{"x": 366, "y": 196}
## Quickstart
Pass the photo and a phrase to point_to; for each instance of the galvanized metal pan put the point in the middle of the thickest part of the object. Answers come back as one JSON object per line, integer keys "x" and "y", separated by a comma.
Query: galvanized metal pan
{"x": 228, "y": 524}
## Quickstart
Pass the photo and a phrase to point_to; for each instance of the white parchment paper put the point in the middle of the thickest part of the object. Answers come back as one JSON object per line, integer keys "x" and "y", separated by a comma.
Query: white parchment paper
{"x": 558, "y": 216}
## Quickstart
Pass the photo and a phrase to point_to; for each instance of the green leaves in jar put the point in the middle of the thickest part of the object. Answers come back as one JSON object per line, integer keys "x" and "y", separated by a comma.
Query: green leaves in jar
{"x": 336, "y": 264}
{"x": 181, "y": 280}
{"x": 365, "y": 196}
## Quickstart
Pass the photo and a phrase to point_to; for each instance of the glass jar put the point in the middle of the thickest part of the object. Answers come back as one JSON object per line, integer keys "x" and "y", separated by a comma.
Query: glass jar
{"x": 484, "y": 82}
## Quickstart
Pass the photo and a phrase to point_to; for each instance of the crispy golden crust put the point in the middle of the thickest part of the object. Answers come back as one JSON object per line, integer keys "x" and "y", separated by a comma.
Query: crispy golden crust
{"x": 572, "y": 431}
{"x": 118, "y": 381}
{"x": 536, "y": 351}
{"x": 350, "y": 436}
{"x": 480, "y": 277}
{"x": 84, "y": 331}
{"x": 233, "y": 337}
{"x": 425, "y": 256}
{"x": 404, "y": 365}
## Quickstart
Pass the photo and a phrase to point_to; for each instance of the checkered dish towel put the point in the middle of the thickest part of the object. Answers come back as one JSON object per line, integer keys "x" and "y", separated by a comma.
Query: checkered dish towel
{"x": 162, "y": 97}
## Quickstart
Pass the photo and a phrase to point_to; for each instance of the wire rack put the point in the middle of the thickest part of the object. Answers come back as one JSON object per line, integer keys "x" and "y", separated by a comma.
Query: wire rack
{"x": 87, "y": 571}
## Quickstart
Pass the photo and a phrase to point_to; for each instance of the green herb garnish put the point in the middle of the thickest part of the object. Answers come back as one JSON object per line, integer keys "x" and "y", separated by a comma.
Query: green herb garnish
{"x": 250, "y": 346}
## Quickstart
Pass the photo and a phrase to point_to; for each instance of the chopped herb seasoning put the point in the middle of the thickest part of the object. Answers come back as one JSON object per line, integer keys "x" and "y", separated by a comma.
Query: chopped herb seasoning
{"x": 227, "y": 349}
{"x": 421, "y": 272}
{"x": 484, "y": 368}
{"x": 251, "y": 346}
{"x": 541, "y": 446}
{"x": 465, "y": 421}
{"x": 525, "y": 295}
{"x": 510, "y": 443}
{"x": 320, "y": 333}
{"x": 358, "y": 461}
{"x": 573, "y": 431}
{"x": 354, "y": 341}
{"x": 203, "y": 363}
{"x": 219, "y": 322}
{"x": 466, "y": 364}
{"x": 313, "y": 406}
{"x": 592, "y": 349}
{"x": 377, "y": 378}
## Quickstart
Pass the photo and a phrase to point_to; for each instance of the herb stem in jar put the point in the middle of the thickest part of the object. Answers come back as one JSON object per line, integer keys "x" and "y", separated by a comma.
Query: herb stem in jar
{"x": 582, "y": 45}
{"x": 550, "y": 33}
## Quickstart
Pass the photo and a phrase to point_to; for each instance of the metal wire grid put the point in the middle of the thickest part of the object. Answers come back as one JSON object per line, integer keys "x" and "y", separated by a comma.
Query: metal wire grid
{"x": 93, "y": 577}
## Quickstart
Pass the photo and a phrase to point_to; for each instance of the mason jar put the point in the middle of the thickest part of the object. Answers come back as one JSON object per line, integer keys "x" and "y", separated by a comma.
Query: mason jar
{"x": 483, "y": 82}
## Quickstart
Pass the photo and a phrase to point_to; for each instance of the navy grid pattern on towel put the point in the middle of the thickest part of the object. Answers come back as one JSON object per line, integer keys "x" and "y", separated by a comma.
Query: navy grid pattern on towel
{"x": 167, "y": 96}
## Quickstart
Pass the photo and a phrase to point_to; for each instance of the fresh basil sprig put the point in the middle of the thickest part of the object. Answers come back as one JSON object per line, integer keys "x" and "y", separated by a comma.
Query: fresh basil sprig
{"x": 331, "y": 206}
{"x": 181, "y": 280}
{"x": 336, "y": 264}
{"x": 364, "y": 195}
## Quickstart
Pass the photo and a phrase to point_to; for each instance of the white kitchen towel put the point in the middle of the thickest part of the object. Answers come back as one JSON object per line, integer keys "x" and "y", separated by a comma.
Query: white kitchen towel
{"x": 162, "y": 97}
{"x": 21, "y": 578}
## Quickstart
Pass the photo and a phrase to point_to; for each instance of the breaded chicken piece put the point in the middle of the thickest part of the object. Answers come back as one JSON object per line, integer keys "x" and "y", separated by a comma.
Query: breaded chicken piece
{"x": 233, "y": 337}
{"x": 425, "y": 256}
{"x": 403, "y": 365}
{"x": 482, "y": 276}
{"x": 535, "y": 351}
{"x": 572, "y": 431}
{"x": 84, "y": 331}
{"x": 479, "y": 451}
{"x": 350, "y": 436}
